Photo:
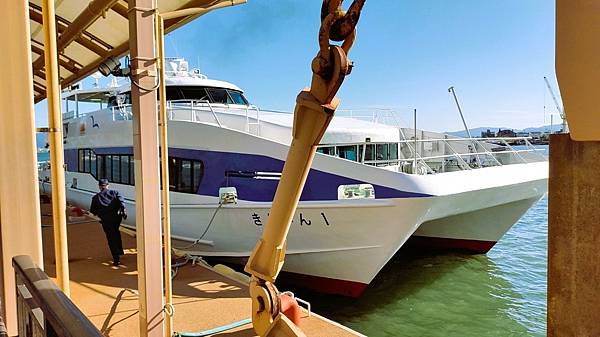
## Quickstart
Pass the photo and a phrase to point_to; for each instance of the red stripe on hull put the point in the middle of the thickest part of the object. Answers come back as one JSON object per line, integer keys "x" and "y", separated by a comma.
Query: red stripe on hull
{"x": 432, "y": 243}
{"x": 322, "y": 284}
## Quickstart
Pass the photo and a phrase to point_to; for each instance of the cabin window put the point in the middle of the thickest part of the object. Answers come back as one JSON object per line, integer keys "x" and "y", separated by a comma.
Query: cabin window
{"x": 237, "y": 97}
{"x": 86, "y": 161}
{"x": 115, "y": 168}
{"x": 93, "y": 166}
{"x": 186, "y": 93}
{"x": 101, "y": 169}
{"x": 330, "y": 150}
{"x": 219, "y": 95}
{"x": 125, "y": 167}
{"x": 348, "y": 152}
{"x": 108, "y": 168}
{"x": 185, "y": 175}
{"x": 369, "y": 152}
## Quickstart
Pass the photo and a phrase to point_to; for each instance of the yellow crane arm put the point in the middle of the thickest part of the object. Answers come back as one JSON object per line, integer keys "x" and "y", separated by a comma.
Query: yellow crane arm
{"x": 315, "y": 107}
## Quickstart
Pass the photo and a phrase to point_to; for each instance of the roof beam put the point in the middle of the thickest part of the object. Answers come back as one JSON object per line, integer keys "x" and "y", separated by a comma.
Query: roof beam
{"x": 120, "y": 9}
{"x": 73, "y": 32}
{"x": 121, "y": 50}
{"x": 70, "y": 66}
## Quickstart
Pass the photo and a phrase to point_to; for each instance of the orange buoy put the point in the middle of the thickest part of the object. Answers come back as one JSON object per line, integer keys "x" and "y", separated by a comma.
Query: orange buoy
{"x": 290, "y": 308}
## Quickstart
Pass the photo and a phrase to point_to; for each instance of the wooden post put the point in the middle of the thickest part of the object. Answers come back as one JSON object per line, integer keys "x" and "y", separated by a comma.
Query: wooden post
{"x": 20, "y": 221}
{"x": 147, "y": 182}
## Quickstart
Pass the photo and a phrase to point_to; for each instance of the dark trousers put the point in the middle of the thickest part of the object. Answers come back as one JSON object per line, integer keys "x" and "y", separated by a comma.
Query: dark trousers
{"x": 113, "y": 236}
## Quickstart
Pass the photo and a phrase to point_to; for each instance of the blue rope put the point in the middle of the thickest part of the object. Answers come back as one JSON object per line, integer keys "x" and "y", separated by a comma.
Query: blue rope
{"x": 214, "y": 330}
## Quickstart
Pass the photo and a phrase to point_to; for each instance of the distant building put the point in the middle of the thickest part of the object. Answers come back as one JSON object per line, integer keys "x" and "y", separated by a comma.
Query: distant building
{"x": 506, "y": 133}
{"x": 487, "y": 134}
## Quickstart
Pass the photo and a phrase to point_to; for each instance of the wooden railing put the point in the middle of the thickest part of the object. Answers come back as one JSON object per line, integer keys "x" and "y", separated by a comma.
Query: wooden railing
{"x": 43, "y": 310}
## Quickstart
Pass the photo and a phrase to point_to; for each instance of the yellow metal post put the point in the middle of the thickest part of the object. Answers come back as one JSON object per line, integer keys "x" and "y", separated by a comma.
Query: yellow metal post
{"x": 164, "y": 160}
{"x": 55, "y": 138}
{"x": 20, "y": 223}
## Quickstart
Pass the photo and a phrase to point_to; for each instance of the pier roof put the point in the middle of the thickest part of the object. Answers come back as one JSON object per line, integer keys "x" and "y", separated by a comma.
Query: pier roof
{"x": 91, "y": 31}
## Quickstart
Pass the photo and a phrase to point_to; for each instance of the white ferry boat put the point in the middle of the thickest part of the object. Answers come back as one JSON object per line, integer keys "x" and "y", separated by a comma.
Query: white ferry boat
{"x": 372, "y": 186}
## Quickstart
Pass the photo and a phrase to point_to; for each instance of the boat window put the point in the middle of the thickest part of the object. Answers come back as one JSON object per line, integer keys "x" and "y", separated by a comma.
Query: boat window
{"x": 369, "y": 152}
{"x": 237, "y": 97}
{"x": 348, "y": 152}
{"x": 393, "y": 151}
{"x": 185, "y": 175}
{"x": 86, "y": 161}
{"x": 382, "y": 151}
{"x": 108, "y": 167}
{"x": 330, "y": 150}
{"x": 81, "y": 160}
{"x": 93, "y": 163}
{"x": 101, "y": 169}
{"x": 186, "y": 93}
{"x": 125, "y": 170}
{"x": 115, "y": 168}
{"x": 172, "y": 174}
{"x": 219, "y": 95}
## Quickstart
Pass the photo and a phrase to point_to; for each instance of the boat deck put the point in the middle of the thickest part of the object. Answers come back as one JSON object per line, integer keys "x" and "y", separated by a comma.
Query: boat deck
{"x": 107, "y": 295}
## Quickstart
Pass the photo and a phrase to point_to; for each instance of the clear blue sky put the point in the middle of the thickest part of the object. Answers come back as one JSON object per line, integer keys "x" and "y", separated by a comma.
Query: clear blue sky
{"x": 406, "y": 55}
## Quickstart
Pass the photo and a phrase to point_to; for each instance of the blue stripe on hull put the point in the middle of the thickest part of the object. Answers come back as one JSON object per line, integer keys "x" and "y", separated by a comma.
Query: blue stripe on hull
{"x": 319, "y": 185}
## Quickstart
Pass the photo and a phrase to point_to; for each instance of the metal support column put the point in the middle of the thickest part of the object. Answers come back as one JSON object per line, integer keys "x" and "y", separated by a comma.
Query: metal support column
{"x": 55, "y": 138}
{"x": 147, "y": 182}
{"x": 19, "y": 202}
{"x": 164, "y": 163}
{"x": 573, "y": 236}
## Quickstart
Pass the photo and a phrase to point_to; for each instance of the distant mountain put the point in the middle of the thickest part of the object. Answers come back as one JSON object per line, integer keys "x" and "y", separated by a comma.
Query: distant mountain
{"x": 476, "y": 132}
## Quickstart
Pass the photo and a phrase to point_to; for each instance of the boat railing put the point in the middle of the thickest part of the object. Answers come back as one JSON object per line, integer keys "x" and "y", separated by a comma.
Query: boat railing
{"x": 465, "y": 153}
{"x": 193, "y": 106}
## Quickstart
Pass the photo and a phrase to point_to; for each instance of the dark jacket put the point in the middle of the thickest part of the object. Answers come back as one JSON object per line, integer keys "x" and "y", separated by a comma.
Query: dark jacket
{"x": 108, "y": 206}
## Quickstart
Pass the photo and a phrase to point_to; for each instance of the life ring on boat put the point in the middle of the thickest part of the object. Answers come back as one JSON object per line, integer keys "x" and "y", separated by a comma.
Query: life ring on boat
{"x": 290, "y": 308}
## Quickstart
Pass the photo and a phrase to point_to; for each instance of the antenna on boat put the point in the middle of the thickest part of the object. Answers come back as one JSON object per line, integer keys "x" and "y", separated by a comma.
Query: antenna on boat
{"x": 96, "y": 76}
{"x": 462, "y": 117}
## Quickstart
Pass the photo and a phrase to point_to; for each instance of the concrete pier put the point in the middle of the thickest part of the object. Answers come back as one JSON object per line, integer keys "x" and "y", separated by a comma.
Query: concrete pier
{"x": 574, "y": 238}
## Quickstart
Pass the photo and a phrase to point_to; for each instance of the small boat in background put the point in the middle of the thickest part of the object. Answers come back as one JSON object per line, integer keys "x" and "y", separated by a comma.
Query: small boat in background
{"x": 372, "y": 186}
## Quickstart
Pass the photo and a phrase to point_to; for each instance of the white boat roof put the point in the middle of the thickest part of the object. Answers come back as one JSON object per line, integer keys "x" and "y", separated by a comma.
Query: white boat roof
{"x": 102, "y": 93}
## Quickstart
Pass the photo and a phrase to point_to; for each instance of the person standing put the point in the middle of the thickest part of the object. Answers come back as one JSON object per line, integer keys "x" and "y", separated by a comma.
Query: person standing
{"x": 109, "y": 207}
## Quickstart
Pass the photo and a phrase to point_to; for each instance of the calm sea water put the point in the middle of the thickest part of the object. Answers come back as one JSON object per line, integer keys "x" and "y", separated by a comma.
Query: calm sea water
{"x": 502, "y": 293}
{"x": 43, "y": 156}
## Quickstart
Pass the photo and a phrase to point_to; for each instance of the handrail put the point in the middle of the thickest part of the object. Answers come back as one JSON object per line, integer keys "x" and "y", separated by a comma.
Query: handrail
{"x": 62, "y": 318}
{"x": 191, "y": 103}
{"x": 462, "y": 164}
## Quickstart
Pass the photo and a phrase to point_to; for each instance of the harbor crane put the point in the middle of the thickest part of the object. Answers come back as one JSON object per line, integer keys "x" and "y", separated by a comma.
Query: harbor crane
{"x": 315, "y": 107}
{"x": 560, "y": 109}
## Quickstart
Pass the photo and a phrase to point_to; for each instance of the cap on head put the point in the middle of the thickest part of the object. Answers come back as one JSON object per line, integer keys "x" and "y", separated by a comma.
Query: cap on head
{"x": 103, "y": 182}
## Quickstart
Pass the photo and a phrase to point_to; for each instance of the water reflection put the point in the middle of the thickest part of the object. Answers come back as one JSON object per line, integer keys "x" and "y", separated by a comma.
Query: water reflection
{"x": 502, "y": 293}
